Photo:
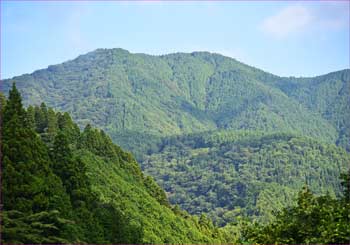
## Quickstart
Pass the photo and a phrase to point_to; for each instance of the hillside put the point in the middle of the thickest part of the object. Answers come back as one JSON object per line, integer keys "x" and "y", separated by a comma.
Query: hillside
{"x": 132, "y": 96}
{"x": 223, "y": 139}
{"x": 327, "y": 95}
{"x": 228, "y": 174}
{"x": 61, "y": 185}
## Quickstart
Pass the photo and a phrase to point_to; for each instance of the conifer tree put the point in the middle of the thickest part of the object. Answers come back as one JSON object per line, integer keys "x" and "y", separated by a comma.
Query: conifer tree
{"x": 29, "y": 187}
{"x": 345, "y": 182}
{"x": 40, "y": 119}
{"x": 31, "y": 117}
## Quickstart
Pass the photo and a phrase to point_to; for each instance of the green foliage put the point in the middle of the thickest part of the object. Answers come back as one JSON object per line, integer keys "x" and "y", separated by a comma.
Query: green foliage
{"x": 221, "y": 137}
{"x": 38, "y": 228}
{"x": 345, "y": 182}
{"x": 63, "y": 186}
{"x": 326, "y": 95}
{"x": 134, "y": 94}
{"x": 312, "y": 220}
{"x": 230, "y": 174}
{"x": 28, "y": 184}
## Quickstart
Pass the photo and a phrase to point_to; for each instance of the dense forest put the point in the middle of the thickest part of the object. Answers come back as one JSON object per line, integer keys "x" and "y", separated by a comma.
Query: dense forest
{"x": 61, "y": 185}
{"x": 131, "y": 96}
{"x": 312, "y": 220}
{"x": 115, "y": 147}
{"x": 228, "y": 174}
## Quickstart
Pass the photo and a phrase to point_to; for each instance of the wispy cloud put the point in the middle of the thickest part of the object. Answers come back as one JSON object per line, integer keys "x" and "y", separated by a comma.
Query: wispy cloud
{"x": 75, "y": 24}
{"x": 289, "y": 20}
{"x": 297, "y": 19}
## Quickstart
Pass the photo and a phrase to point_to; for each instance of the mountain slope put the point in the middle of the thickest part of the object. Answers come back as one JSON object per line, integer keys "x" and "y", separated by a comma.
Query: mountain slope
{"x": 328, "y": 95}
{"x": 61, "y": 185}
{"x": 233, "y": 173}
{"x": 128, "y": 94}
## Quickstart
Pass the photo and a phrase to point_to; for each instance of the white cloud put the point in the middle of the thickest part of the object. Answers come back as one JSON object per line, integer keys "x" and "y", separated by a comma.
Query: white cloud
{"x": 297, "y": 19}
{"x": 290, "y": 20}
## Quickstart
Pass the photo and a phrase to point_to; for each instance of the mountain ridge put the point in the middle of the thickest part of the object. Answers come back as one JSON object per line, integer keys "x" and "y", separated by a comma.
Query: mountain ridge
{"x": 170, "y": 94}
{"x": 219, "y": 136}
{"x": 174, "y": 53}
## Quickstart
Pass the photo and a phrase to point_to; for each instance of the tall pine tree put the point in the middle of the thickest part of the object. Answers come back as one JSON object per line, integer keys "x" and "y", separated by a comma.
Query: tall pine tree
{"x": 29, "y": 187}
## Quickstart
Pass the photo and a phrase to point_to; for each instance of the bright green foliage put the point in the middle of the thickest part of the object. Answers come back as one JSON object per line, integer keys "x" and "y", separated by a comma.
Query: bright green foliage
{"x": 130, "y": 95}
{"x": 155, "y": 191}
{"x": 314, "y": 220}
{"x": 68, "y": 127}
{"x": 63, "y": 186}
{"x": 229, "y": 174}
{"x": 327, "y": 95}
{"x": 206, "y": 127}
{"x": 148, "y": 216}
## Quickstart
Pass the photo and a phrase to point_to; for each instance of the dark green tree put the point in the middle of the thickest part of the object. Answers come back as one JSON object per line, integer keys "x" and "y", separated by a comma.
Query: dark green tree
{"x": 68, "y": 127}
{"x": 31, "y": 117}
{"x": 41, "y": 118}
{"x": 28, "y": 184}
{"x": 345, "y": 182}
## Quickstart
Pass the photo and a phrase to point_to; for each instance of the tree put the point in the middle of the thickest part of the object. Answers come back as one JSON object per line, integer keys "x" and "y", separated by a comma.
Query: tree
{"x": 313, "y": 220}
{"x": 52, "y": 125}
{"x": 28, "y": 186}
{"x": 31, "y": 117}
{"x": 345, "y": 182}
{"x": 41, "y": 118}
{"x": 68, "y": 127}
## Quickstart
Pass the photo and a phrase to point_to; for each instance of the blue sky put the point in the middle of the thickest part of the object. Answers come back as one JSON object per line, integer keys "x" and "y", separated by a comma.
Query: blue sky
{"x": 285, "y": 38}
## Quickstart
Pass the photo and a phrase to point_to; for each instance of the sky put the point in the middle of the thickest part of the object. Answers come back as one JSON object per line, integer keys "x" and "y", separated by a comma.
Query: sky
{"x": 286, "y": 38}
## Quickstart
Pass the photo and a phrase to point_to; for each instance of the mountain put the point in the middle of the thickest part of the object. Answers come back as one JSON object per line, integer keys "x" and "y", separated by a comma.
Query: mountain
{"x": 138, "y": 97}
{"x": 61, "y": 185}
{"x": 142, "y": 100}
{"x": 231, "y": 174}
{"x": 327, "y": 95}
{"x": 221, "y": 137}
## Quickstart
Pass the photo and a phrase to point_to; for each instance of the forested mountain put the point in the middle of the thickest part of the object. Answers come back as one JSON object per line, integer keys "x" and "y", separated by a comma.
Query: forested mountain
{"x": 222, "y": 138}
{"x": 130, "y": 95}
{"x": 61, "y": 185}
{"x": 231, "y": 174}
{"x": 328, "y": 95}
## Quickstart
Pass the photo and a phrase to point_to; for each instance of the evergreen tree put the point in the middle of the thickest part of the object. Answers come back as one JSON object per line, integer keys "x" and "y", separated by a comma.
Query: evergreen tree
{"x": 31, "y": 117}
{"x": 313, "y": 220}
{"x": 41, "y": 118}
{"x": 14, "y": 106}
{"x": 2, "y": 103}
{"x": 28, "y": 184}
{"x": 68, "y": 127}
{"x": 52, "y": 125}
{"x": 345, "y": 182}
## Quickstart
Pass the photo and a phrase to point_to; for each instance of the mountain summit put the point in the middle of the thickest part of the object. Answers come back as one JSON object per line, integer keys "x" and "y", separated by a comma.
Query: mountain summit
{"x": 127, "y": 94}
